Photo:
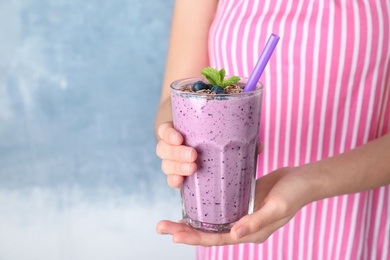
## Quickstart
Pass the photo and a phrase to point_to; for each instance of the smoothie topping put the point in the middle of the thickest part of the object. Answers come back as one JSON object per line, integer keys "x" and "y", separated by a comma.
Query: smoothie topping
{"x": 217, "y": 78}
{"x": 217, "y": 83}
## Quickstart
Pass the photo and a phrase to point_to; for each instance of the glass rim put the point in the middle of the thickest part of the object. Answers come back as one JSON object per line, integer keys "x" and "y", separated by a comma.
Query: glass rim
{"x": 173, "y": 86}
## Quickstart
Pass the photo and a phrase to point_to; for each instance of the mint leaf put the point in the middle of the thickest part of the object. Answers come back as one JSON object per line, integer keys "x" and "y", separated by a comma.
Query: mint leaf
{"x": 217, "y": 78}
{"x": 212, "y": 75}
{"x": 222, "y": 74}
{"x": 230, "y": 81}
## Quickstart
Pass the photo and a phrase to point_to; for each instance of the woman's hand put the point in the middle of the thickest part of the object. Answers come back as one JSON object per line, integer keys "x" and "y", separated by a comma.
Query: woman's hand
{"x": 178, "y": 160}
{"x": 279, "y": 196}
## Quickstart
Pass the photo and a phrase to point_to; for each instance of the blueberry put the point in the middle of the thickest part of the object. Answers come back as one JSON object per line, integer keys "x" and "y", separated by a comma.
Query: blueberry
{"x": 199, "y": 85}
{"x": 217, "y": 90}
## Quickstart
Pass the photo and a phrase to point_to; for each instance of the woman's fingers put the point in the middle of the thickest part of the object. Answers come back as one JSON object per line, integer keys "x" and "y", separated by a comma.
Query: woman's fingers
{"x": 172, "y": 167}
{"x": 167, "y": 133}
{"x": 178, "y": 160}
{"x": 175, "y": 180}
{"x": 182, "y": 233}
{"x": 261, "y": 235}
{"x": 180, "y": 153}
{"x": 263, "y": 222}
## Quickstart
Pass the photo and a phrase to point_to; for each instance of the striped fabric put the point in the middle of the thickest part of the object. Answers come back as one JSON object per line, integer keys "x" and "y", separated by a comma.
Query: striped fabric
{"x": 327, "y": 90}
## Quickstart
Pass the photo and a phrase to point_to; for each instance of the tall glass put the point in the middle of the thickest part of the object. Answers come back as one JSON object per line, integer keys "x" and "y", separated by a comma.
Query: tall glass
{"x": 224, "y": 130}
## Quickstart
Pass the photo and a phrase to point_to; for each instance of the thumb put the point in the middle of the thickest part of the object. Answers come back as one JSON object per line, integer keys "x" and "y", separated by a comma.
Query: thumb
{"x": 259, "y": 225}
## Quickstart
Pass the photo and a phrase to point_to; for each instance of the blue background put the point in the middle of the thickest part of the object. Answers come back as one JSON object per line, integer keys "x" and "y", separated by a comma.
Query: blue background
{"x": 79, "y": 87}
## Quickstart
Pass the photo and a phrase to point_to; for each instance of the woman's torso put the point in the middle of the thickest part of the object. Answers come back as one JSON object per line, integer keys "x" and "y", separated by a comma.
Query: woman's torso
{"x": 327, "y": 90}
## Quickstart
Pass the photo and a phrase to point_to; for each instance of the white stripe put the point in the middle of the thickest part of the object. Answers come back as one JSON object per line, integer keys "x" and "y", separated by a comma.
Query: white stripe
{"x": 291, "y": 241}
{"x": 363, "y": 227}
{"x": 278, "y": 94}
{"x": 260, "y": 252}
{"x": 302, "y": 89}
{"x": 324, "y": 214}
{"x": 213, "y": 39}
{"x": 338, "y": 81}
{"x": 375, "y": 84}
{"x": 290, "y": 79}
{"x": 368, "y": 221}
{"x": 258, "y": 30}
{"x": 328, "y": 66}
{"x": 377, "y": 222}
{"x": 225, "y": 59}
{"x": 311, "y": 230}
{"x": 280, "y": 243}
{"x": 245, "y": 45}
{"x": 384, "y": 88}
{"x": 351, "y": 82}
{"x": 201, "y": 253}
{"x": 270, "y": 246}
{"x": 387, "y": 97}
{"x": 386, "y": 240}
{"x": 341, "y": 225}
{"x": 251, "y": 251}
{"x": 364, "y": 75}
{"x": 332, "y": 226}
{"x": 220, "y": 252}
{"x": 241, "y": 251}
{"x": 316, "y": 51}
{"x": 214, "y": 252}
{"x": 386, "y": 100}
{"x": 230, "y": 254}
{"x": 291, "y": 74}
{"x": 235, "y": 39}
{"x": 218, "y": 42}
{"x": 386, "y": 68}
{"x": 352, "y": 229}
{"x": 301, "y": 245}
{"x": 266, "y": 97}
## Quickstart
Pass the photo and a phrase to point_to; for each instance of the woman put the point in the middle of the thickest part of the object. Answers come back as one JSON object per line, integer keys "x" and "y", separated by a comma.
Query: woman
{"x": 323, "y": 177}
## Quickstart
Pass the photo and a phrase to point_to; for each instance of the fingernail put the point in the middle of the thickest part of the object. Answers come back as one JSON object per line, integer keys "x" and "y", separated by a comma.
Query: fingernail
{"x": 173, "y": 138}
{"x": 185, "y": 168}
{"x": 162, "y": 232}
{"x": 187, "y": 153}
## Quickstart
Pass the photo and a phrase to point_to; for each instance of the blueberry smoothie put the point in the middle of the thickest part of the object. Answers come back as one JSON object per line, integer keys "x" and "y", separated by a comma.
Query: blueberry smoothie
{"x": 224, "y": 129}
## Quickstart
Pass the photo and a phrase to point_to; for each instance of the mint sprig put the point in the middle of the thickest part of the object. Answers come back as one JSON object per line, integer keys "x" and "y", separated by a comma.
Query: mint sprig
{"x": 217, "y": 78}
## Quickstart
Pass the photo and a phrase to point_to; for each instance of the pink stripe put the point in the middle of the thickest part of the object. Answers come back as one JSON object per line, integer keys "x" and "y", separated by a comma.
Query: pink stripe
{"x": 321, "y": 231}
{"x": 383, "y": 223}
{"x": 372, "y": 221}
{"x": 346, "y": 228}
{"x": 236, "y": 252}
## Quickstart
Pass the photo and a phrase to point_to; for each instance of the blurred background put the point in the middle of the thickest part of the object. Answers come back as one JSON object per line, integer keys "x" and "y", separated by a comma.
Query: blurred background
{"x": 79, "y": 86}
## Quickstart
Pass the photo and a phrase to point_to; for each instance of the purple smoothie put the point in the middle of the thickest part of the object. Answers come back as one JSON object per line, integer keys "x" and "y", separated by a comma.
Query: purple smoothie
{"x": 224, "y": 129}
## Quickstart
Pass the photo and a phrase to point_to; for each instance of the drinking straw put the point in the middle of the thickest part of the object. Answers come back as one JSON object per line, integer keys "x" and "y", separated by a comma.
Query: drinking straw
{"x": 262, "y": 62}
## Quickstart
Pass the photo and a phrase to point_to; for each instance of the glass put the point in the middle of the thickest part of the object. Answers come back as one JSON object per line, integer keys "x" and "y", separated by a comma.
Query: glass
{"x": 224, "y": 129}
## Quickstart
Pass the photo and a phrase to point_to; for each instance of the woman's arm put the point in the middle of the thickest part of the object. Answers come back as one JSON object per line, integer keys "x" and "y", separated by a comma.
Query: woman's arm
{"x": 363, "y": 168}
{"x": 188, "y": 48}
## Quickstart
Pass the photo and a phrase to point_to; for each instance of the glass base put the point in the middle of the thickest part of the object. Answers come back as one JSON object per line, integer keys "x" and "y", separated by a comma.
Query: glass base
{"x": 207, "y": 227}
